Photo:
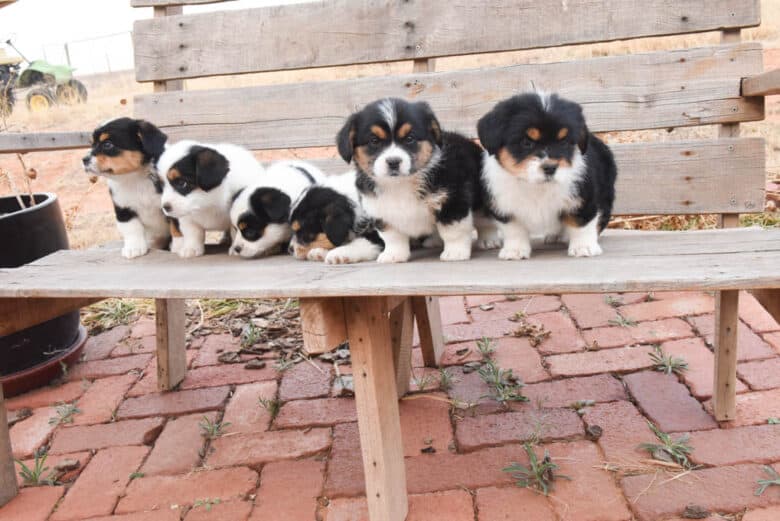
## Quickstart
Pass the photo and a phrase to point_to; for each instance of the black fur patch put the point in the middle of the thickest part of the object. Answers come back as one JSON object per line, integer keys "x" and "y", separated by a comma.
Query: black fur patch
{"x": 266, "y": 206}
{"x": 305, "y": 173}
{"x": 124, "y": 214}
{"x": 202, "y": 167}
{"x": 129, "y": 134}
{"x": 324, "y": 210}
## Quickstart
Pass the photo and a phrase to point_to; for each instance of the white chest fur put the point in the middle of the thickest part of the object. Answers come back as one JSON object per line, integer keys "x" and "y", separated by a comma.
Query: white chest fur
{"x": 397, "y": 204}
{"x": 136, "y": 192}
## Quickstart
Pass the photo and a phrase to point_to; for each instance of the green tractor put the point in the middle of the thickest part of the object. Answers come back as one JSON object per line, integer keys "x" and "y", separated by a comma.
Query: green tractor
{"x": 42, "y": 84}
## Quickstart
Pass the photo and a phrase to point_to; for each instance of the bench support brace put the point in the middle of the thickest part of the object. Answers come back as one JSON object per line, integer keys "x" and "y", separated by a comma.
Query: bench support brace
{"x": 8, "y": 488}
{"x": 724, "y": 394}
{"x": 402, "y": 333}
{"x": 428, "y": 316}
{"x": 379, "y": 423}
{"x": 171, "y": 349}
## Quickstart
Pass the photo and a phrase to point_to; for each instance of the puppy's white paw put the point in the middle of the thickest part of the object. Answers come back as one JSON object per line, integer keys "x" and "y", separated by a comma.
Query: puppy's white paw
{"x": 489, "y": 243}
{"x": 134, "y": 249}
{"x": 585, "y": 249}
{"x": 338, "y": 257}
{"x": 511, "y": 253}
{"x": 176, "y": 244}
{"x": 390, "y": 256}
{"x": 189, "y": 251}
{"x": 456, "y": 252}
{"x": 316, "y": 254}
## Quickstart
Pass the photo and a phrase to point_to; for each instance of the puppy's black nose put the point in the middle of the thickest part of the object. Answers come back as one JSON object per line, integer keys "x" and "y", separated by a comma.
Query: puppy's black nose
{"x": 394, "y": 163}
{"x": 549, "y": 169}
{"x": 167, "y": 207}
{"x": 86, "y": 159}
{"x": 237, "y": 249}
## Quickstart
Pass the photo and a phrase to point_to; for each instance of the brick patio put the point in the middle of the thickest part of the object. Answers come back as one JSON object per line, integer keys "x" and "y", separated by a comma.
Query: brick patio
{"x": 142, "y": 456}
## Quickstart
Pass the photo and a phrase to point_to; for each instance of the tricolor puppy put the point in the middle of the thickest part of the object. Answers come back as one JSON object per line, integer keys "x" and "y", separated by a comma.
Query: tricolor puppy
{"x": 125, "y": 151}
{"x": 546, "y": 174}
{"x": 413, "y": 178}
{"x": 329, "y": 224}
{"x": 199, "y": 184}
{"x": 260, "y": 213}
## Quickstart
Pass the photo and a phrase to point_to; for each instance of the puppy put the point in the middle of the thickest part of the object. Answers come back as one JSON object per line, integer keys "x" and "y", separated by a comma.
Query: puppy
{"x": 199, "y": 183}
{"x": 125, "y": 152}
{"x": 329, "y": 224}
{"x": 260, "y": 212}
{"x": 546, "y": 174}
{"x": 413, "y": 179}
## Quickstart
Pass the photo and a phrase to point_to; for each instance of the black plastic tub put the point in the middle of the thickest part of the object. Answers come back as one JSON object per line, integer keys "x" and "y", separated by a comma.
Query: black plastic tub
{"x": 32, "y": 357}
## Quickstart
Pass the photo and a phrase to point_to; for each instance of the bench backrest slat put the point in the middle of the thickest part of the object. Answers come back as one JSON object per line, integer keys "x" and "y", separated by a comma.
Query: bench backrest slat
{"x": 340, "y": 32}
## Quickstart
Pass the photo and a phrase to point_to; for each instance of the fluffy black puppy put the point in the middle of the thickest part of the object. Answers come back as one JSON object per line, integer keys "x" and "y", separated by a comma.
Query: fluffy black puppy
{"x": 546, "y": 174}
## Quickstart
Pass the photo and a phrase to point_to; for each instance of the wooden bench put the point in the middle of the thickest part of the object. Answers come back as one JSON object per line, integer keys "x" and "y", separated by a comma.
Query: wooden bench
{"x": 373, "y": 305}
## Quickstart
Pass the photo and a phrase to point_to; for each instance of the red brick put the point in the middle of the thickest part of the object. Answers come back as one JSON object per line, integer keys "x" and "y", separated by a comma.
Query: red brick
{"x": 623, "y": 430}
{"x": 469, "y": 388}
{"x": 144, "y": 326}
{"x": 699, "y": 376}
{"x": 289, "y": 490}
{"x": 304, "y": 380}
{"x": 667, "y": 402}
{"x": 518, "y": 355}
{"x": 453, "y": 310}
{"x": 757, "y": 444}
{"x": 108, "y": 367}
{"x": 253, "y": 449}
{"x": 774, "y": 340}
{"x": 173, "y": 403}
{"x": 100, "y": 484}
{"x": 446, "y": 471}
{"x": 763, "y": 514}
{"x": 754, "y": 314}
{"x": 164, "y": 491}
{"x": 50, "y": 395}
{"x": 99, "y": 402}
{"x": 148, "y": 382}
{"x": 213, "y": 346}
{"x": 29, "y": 434}
{"x": 450, "y": 505}
{"x": 149, "y": 515}
{"x": 721, "y": 489}
{"x": 616, "y": 360}
{"x": 591, "y": 495}
{"x": 134, "y": 346}
{"x": 564, "y": 337}
{"x": 425, "y": 422}
{"x": 690, "y": 304}
{"x": 507, "y": 309}
{"x": 589, "y": 310}
{"x": 223, "y": 511}
{"x": 316, "y": 413}
{"x": 244, "y": 411}
{"x": 749, "y": 345}
{"x": 495, "y": 429}
{"x": 642, "y": 333}
{"x": 478, "y": 300}
{"x": 450, "y": 355}
{"x": 345, "y": 468}
{"x": 476, "y": 330}
{"x": 753, "y": 408}
{"x": 128, "y": 432}
{"x": 101, "y": 345}
{"x": 52, "y": 460}
{"x": 227, "y": 374}
{"x": 512, "y": 503}
{"x": 562, "y": 393}
{"x": 32, "y": 504}
{"x": 177, "y": 449}
{"x": 762, "y": 374}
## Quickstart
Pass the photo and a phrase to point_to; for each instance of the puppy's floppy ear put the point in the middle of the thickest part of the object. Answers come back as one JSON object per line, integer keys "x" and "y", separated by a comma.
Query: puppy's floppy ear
{"x": 345, "y": 139}
{"x": 211, "y": 167}
{"x": 337, "y": 224}
{"x": 152, "y": 139}
{"x": 432, "y": 122}
{"x": 492, "y": 127}
{"x": 272, "y": 202}
{"x": 582, "y": 140}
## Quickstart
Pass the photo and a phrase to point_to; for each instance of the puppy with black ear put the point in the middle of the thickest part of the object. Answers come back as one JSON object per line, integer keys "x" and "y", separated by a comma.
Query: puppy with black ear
{"x": 413, "y": 178}
{"x": 125, "y": 151}
{"x": 260, "y": 213}
{"x": 200, "y": 182}
{"x": 329, "y": 224}
{"x": 546, "y": 174}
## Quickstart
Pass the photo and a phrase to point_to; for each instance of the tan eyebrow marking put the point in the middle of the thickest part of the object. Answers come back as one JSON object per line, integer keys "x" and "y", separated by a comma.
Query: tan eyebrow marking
{"x": 242, "y": 225}
{"x": 562, "y": 133}
{"x": 533, "y": 133}
{"x": 379, "y": 132}
{"x": 103, "y": 136}
{"x": 296, "y": 225}
{"x": 404, "y": 130}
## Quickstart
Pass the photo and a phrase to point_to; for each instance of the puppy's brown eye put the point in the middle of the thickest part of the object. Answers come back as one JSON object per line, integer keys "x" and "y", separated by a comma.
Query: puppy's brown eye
{"x": 410, "y": 139}
{"x": 373, "y": 141}
{"x": 108, "y": 146}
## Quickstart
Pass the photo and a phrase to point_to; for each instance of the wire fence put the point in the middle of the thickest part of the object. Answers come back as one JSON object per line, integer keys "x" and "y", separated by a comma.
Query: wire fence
{"x": 108, "y": 53}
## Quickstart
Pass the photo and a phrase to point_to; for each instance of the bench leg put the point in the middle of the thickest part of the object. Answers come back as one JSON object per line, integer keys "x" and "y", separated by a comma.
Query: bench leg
{"x": 724, "y": 393}
{"x": 379, "y": 422}
{"x": 8, "y": 488}
{"x": 770, "y": 299}
{"x": 171, "y": 349}
{"x": 402, "y": 337}
{"x": 322, "y": 324}
{"x": 428, "y": 316}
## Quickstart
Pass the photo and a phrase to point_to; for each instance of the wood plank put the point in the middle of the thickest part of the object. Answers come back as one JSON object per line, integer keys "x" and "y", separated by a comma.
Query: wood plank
{"x": 724, "y": 394}
{"x": 18, "y": 314}
{"x": 428, "y": 317}
{"x": 742, "y": 258}
{"x": 8, "y": 487}
{"x": 770, "y": 299}
{"x": 13, "y": 142}
{"x": 765, "y": 84}
{"x": 401, "y": 338}
{"x": 323, "y": 324}
{"x": 343, "y": 32}
{"x": 166, "y": 3}
{"x": 171, "y": 349}
{"x": 655, "y": 90}
{"x": 163, "y": 10}
{"x": 379, "y": 422}
{"x": 687, "y": 177}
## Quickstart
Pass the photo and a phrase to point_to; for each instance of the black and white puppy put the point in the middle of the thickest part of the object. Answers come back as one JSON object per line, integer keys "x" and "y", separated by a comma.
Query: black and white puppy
{"x": 199, "y": 182}
{"x": 260, "y": 213}
{"x": 414, "y": 180}
{"x": 329, "y": 224}
{"x": 124, "y": 151}
{"x": 546, "y": 174}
